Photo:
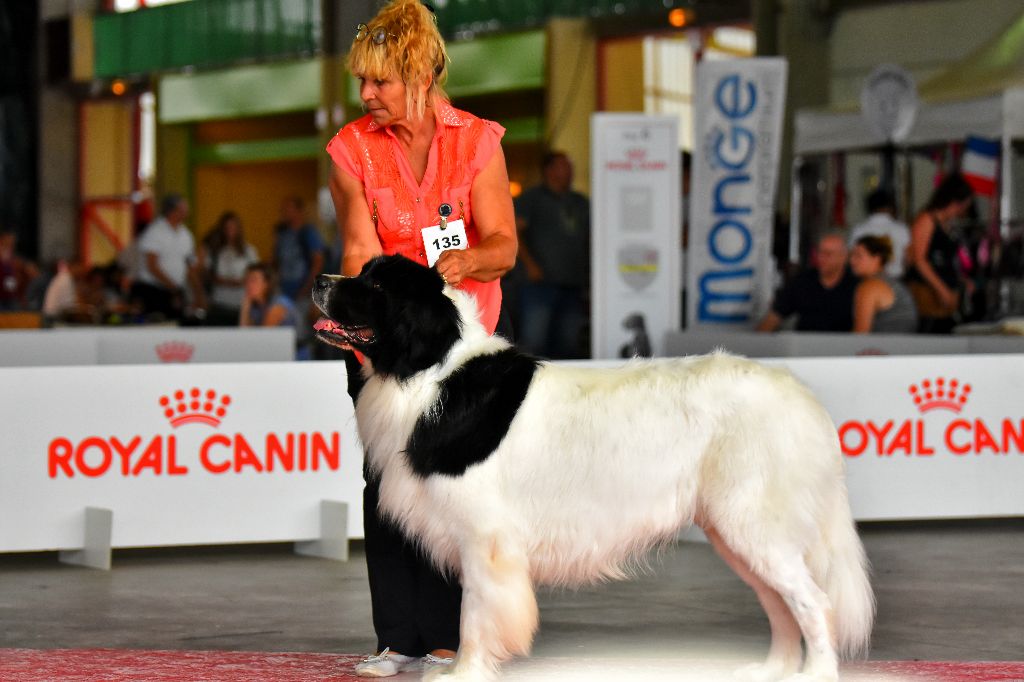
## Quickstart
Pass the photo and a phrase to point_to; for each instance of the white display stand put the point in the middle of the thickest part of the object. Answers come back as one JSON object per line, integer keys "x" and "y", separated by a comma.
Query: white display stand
{"x": 738, "y": 107}
{"x": 635, "y": 229}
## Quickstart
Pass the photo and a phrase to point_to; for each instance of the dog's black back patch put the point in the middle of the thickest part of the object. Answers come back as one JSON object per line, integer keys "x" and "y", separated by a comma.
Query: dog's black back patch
{"x": 474, "y": 408}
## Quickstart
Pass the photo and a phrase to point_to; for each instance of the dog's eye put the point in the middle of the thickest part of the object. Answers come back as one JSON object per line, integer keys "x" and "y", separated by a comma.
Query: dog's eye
{"x": 376, "y": 287}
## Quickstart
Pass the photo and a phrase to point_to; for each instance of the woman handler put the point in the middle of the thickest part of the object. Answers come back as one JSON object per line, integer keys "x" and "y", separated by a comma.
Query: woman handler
{"x": 412, "y": 165}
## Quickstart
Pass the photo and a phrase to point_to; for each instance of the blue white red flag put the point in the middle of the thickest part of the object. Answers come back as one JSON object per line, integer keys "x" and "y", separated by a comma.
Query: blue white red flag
{"x": 980, "y": 164}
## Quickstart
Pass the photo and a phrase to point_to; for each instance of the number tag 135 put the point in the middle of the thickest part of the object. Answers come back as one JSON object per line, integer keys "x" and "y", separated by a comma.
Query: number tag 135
{"x": 436, "y": 241}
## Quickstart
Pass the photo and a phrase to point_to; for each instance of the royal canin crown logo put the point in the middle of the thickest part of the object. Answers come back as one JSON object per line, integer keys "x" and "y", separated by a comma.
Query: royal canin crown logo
{"x": 195, "y": 407}
{"x": 939, "y": 394}
{"x": 175, "y": 351}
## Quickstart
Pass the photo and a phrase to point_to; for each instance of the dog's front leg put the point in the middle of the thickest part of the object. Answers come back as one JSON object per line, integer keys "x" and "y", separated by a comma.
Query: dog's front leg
{"x": 499, "y": 609}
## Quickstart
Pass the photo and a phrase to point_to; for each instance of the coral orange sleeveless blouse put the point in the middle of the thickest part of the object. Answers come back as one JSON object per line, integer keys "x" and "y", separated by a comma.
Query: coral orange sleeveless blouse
{"x": 462, "y": 146}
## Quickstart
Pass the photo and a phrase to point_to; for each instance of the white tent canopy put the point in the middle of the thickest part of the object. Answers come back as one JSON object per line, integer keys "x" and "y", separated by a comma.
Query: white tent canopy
{"x": 993, "y": 116}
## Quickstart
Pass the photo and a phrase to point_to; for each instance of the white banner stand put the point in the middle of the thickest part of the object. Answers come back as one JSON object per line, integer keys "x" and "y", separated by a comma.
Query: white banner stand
{"x": 95, "y": 552}
{"x": 333, "y": 542}
{"x": 635, "y": 233}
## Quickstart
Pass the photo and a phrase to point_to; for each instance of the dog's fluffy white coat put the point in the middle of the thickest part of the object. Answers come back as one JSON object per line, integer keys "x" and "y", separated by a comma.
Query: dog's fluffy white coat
{"x": 599, "y": 465}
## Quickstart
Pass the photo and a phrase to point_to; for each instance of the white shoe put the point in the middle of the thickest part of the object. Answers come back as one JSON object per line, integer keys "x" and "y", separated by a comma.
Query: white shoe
{"x": 384, "y": 664}
{"x": 430, "y": 661}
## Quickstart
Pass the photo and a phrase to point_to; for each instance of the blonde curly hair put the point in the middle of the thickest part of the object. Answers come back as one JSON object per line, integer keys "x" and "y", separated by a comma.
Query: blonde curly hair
{"x": 413, "y": 51}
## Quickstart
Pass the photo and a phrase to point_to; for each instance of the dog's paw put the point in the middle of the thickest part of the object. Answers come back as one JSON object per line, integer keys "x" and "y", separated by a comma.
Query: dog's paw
{"x": 770, "y": 671}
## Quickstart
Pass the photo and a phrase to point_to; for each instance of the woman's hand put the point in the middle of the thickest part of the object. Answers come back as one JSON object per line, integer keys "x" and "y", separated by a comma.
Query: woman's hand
{"x": 455, "y": 266}
{"x": 948, "y": 298}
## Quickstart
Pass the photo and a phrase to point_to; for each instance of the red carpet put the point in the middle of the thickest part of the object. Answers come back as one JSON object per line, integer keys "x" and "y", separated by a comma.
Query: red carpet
{"x": 116, "y": 665}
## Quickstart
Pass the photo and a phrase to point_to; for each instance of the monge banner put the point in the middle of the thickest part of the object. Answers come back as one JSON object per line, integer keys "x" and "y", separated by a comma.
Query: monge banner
{"x": 738, "y": 128}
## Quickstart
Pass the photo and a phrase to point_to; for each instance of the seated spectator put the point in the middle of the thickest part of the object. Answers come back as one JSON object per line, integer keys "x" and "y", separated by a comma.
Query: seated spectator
{"x": 263, "y": 304}
{"x": 881, "y": 222}
{"x": 61, "y": 295}
{"x": 820, "y": 297}
{"x": 16, "y": 274}
{"x": 224, "y": 256}
{"x": 881, "y": 304}
{"x": 167, "y": 264}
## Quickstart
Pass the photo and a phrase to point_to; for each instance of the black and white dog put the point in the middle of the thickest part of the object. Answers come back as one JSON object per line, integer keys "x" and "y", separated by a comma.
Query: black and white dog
{"x": 514, "y": 472}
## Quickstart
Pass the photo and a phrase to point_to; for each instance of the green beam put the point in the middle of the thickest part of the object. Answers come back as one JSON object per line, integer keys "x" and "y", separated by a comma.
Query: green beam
{"x": 258, "y": 150}
{"x": 256, "y": 90}
{"x": 527, "y": 129}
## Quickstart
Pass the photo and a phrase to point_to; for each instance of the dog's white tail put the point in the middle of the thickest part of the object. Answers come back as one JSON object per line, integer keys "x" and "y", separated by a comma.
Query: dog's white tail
{"x": 841, "y": 569}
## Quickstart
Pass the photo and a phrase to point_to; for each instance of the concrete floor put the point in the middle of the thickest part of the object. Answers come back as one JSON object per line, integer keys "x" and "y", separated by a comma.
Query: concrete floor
{"x": 946, "y": 591}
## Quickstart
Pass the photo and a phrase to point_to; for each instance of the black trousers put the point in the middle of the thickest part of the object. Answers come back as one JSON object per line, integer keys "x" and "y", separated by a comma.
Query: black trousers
{"x": 415, "y": 608}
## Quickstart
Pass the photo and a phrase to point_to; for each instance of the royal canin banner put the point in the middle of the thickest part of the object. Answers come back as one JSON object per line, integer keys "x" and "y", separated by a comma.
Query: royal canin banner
{"x": 738, "y": 109}
{"x": 926, "y": 436}
{"x": 184, "y": 454}
{"x": 246, "y": 452}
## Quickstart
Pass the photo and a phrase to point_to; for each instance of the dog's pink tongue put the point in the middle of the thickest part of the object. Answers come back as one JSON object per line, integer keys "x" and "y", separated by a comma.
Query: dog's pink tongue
{"x": 325, "y": 325}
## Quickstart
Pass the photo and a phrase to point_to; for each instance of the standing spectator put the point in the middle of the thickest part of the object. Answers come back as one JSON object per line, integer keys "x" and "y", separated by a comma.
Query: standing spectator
{"x": 298, "y": 259}
{"x": 263, "y": 305}
{"x": 554, "y": 247}
{"x": 881, "y": 222}
{"x": 298, "y": 250}
{"x": 881, "y": 304}
{"x": 16, "y": 273}
{"x": 820, "y": 297}
{"x": 934, "y": 276}
{"x": 224, "y": 256}
{"x": 167, "y": 263}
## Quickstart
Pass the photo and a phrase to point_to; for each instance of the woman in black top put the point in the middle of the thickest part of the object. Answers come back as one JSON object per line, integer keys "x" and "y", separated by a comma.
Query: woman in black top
{"x": 934, "y": 277}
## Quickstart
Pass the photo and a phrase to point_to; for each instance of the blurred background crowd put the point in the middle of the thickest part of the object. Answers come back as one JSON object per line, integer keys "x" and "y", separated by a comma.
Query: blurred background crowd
{"x": 162, "y": 162}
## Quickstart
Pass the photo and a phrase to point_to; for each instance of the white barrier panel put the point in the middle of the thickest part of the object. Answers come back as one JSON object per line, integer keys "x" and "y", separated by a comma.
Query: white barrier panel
{"x": 926, "y": 437}
{"x": 196, "y": 344}
{"x": 251, "y": 457}
{"x": 22, "y": 348}
{"x": 182, "y": 454}
{"x": 813, "y": 344}
{"x": 144, "y": 345}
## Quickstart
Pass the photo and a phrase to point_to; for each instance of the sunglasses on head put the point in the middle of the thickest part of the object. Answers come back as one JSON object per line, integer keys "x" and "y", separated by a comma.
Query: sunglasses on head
{"x": 377, "y": 36}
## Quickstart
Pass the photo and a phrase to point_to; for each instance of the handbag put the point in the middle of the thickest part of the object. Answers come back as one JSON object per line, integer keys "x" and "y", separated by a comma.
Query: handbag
{"x": 927, "y": 301}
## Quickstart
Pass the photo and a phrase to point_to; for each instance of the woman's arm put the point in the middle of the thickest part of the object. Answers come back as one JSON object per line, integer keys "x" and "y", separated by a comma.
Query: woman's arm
{"x": 275, "y": 315}
{"x": 495, "y": 253}
{"x": 244, "y": 316}
{"x": 866, "y": 302}
{"x": 358, "y": 233}
{"x": 920, "y": 236}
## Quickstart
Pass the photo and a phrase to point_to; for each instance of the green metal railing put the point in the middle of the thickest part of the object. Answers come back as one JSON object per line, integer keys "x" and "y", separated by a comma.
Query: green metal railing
{"x": 205, "y": 33}
{"x": 459, "y": 18}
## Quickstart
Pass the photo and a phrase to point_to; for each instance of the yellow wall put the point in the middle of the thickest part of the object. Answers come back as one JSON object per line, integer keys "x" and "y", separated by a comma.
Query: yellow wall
{"x": 254, "y": 191}
{"x": 623, "y": 77}
{"x": 106, "y": 148}
{"x": 172, "y": 169}
{"x": 571, "y": 93}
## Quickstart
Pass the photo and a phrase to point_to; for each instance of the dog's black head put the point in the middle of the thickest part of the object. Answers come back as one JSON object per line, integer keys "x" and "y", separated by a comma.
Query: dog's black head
{"x": 395, "y": 313}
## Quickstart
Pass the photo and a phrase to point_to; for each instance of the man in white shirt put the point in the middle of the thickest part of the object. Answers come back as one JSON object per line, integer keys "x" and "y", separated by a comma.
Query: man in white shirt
{"x": 881, "y": 208}
{"x": 168, "y": 263}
